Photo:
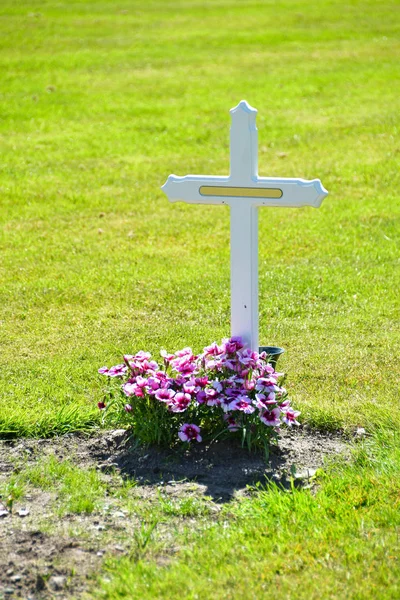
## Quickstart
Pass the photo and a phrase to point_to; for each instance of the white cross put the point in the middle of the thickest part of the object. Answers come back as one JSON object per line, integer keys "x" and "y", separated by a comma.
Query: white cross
{"x": 244, "y": 191}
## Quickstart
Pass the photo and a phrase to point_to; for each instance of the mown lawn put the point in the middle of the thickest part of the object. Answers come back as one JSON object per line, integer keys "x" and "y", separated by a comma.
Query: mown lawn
{"x": 99, "y": 102}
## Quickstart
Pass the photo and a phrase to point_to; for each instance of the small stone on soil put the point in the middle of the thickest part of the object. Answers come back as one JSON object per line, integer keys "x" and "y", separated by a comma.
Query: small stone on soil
{"x": 360, "y": 433}
{"x": 57, "y": 582}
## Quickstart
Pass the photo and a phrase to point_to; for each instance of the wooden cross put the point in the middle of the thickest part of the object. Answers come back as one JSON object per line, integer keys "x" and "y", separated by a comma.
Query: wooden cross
{"x": 244, "y": 191}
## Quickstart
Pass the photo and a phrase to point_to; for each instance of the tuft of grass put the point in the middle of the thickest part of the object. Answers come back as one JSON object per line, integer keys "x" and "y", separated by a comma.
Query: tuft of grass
{"x": 190, "y": 506}
{"x": 79, "y": 490}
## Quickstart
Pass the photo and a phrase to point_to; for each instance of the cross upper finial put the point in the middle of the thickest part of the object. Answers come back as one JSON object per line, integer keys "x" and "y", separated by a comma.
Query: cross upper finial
{"x": 243, "y": 144}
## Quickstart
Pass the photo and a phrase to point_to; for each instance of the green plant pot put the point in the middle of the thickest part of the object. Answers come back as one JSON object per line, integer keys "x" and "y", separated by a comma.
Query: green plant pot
{"x": 273, "y": 353}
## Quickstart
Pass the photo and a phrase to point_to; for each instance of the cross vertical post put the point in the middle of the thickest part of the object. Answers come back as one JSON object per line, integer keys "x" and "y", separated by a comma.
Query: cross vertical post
{"x": 244, "y": 227}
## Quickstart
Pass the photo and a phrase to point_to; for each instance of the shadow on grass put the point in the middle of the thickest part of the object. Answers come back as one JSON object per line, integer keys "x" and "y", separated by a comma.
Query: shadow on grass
{"x": 224, "y": 469}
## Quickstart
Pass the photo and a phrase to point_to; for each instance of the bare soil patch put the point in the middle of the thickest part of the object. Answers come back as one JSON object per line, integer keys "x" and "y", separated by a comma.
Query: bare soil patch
{"x": 44, "y": 555}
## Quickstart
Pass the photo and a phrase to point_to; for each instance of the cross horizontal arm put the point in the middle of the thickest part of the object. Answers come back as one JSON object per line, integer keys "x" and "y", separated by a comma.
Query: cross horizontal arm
{"x": 263, "y": 191}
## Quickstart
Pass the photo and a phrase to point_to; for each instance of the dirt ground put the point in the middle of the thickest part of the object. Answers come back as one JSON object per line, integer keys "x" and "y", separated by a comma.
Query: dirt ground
{"x": 44, "y": 555}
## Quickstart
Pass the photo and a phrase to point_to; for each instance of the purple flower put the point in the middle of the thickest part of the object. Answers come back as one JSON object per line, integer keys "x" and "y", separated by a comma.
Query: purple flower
{"x": 225, "y": 402}
{"x": 243, "y": 404}
{"x": 118, "y": 370}
{"x": 103, "y": 371}
{"x": 217, "y": 385}
{"x": 101, "y": 405}
{"x": 231, "y": 422}
{"x": 267, "y": 384}
{"x": 248, "y": 358}
{"x": 232, "y": 345}
{"x": 271, "y": 417}
{"x": 290, "y": 417}
{"x": 128, "y": 408}
{"x": 212, "y": 397}
{"x": 226, "y": 363}
{"x": 201, "y": 397}
{"x": 189, "y": 432}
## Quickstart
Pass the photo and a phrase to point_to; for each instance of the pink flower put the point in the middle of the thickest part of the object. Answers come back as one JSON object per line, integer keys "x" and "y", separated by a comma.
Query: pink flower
{"x": 249, "y": 385}
{"x": 189, "y": 432}
{"x": 290, "y": 417}
{"x": 128, "y": 408}
{"x": 153, "y": 384}
{"x": 142, "y": 356}
{"x": 263, "y": 401}
{"x": 164, "y": 394}
{"x": 103, "y": 371}
{"x": 184, "y": 365}
{"x": 201, "y": 381}
{"x": 148, "y": 367}
{"x": 213, "y": 350}
{"x": 167, "y": 357}
{"x": 133, "y": 389}
{"x": 271, "y": 417}
{"x": 117, "y": 371}
{"x": 184, "y": 352}
{"x": 284, "y": 405}
{"x": 180, "y": 402}
{"x": 189, "y": 387}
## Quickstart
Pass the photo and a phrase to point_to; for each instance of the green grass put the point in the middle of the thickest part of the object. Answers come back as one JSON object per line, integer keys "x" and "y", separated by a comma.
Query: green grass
{"x": 340, "y": 542}
{"x": 100, "y": 101}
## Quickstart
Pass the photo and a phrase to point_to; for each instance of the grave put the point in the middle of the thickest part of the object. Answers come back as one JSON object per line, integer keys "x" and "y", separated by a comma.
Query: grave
{"x": 244, "y": 192}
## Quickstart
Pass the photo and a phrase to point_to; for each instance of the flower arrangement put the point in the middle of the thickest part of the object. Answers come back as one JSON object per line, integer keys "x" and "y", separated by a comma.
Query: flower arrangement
{"x": 227, "y": 389}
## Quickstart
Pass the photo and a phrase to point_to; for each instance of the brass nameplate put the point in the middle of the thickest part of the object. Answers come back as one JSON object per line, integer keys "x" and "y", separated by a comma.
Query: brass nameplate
{"x": 240, "y": 192}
